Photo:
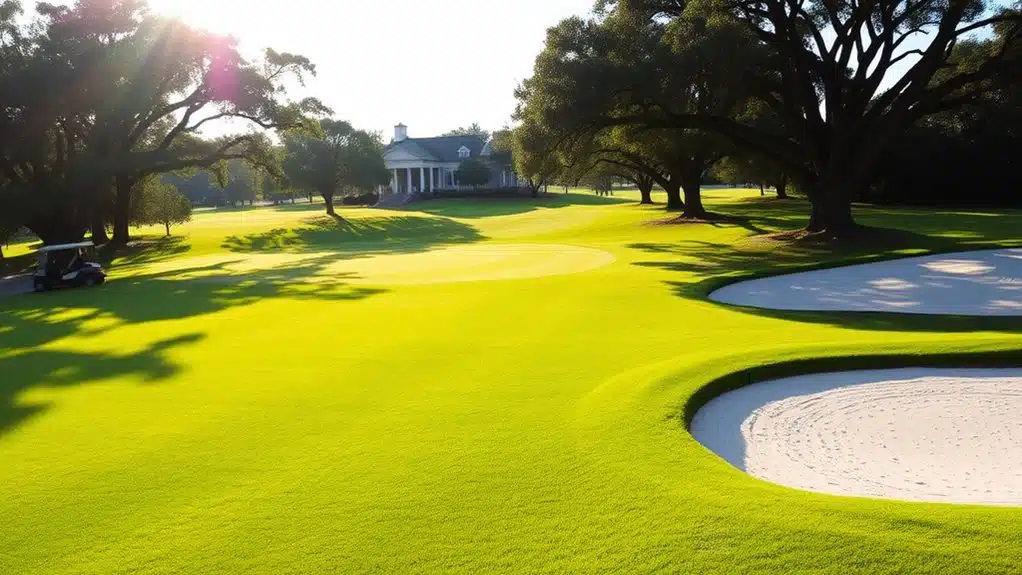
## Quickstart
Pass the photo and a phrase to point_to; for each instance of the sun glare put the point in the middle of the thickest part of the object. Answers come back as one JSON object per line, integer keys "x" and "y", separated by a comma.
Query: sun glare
{"x": 220, "y": 16}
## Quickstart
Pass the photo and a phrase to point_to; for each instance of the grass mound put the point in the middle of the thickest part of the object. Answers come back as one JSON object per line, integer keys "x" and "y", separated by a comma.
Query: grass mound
{"x": 165, "y": 425}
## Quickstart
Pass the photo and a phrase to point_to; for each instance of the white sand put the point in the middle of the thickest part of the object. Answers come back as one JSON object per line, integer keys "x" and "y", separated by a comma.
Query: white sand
{"x": 943, "y": 435}
{"x": 985, "y": 282}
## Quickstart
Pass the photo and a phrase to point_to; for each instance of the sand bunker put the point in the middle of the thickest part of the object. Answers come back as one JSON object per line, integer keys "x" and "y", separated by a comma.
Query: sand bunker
{"x": 943, "y": 435}
{"x": 971, "y": 283}
{"x": 441, "y": 265}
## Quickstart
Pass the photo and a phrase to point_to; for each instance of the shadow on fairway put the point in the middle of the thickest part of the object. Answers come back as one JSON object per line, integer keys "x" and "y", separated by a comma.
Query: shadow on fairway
{"x": 482, "y": 207}
{"x": 301, "y": 204}
{"x": 705, "y": 266}
{"x": 32, "y": 320}
{"x": 972, "y": 226}
{"x": 145, "y": 251}
{"x": 384, "y": 234}
{"x": 58, "y": 368}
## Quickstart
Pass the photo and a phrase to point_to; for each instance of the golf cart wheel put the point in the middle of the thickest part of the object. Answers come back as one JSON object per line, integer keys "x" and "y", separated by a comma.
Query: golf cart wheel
{"x": 91, "y": 281}
{"x": 39, "y": 286}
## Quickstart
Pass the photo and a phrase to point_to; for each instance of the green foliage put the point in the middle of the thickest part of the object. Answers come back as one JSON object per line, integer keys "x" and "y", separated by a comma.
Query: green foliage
{"x": 820, "y": 69}
{"x": 341, "y": 161}
{"x": 472, "y": 172}
{"x": 535, "y": 156}
{"x": 7, "y": 232}
{"x": 747, "y": 168}
{"x": 245, "y": 182}
{"x": 63, "y": 154}
{"x": 700, "y": 67}
{"x": 472, "y": 130}
{"x": 160, "y": 203}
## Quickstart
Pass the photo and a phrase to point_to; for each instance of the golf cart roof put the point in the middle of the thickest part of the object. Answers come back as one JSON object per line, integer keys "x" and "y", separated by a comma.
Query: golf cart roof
{"x": 60, "y": 247}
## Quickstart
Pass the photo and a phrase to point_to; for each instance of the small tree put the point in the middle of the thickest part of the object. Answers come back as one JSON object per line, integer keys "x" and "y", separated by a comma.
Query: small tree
{"x": 473, "y": 173}
{"x": 342, "y": 161}
{"x": 163, "y": 204}
{"x": 532, "y": 155}
{"x": 7, "y": 231}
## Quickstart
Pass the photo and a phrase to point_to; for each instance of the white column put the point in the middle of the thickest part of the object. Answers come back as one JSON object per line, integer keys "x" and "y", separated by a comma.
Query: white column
{"x": 422, "y": 179}
{"x": 393, "y": 184}
{"x": 432, "y": 182}
{"x": 408, "y": 172}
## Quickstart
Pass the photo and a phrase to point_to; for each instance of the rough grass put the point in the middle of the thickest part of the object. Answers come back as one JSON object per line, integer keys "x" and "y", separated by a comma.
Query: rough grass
{"x": 272, "y": 425}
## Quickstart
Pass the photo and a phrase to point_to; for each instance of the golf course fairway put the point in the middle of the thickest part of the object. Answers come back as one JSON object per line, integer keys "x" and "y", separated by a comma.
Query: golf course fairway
{"x": 461, "y": 386}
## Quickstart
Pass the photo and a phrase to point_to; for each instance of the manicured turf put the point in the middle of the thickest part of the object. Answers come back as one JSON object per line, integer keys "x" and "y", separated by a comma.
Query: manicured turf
{"x": 323, "y": 414}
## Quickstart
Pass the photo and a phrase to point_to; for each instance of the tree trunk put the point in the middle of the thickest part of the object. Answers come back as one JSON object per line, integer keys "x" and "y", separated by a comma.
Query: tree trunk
{"x": 99, "y": 229}
{"x": 674, "y": 202}
{"x": 646, "y": 191}
{"x": 58, "y": 228}
{"x": 168, "y": 228}
{"x": 831, "y": 209}
{"x": 782, "y": 188}
{"x": 329, "y": 199}
{"x": 762, "y": 191}
{"x": 692, "y": 185}
{"x": 122, "y": 210}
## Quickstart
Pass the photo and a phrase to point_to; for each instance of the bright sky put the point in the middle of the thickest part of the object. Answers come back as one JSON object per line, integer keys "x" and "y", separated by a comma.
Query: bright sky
{"x": 433, "y": 65}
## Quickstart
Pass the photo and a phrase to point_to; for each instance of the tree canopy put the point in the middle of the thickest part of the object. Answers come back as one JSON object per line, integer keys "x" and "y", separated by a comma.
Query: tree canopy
{"x": 533, "y": 154}
{"x": 825, "y": 70}
{"x": 341, "y": 160}
{"x": 473, "y": 129}
{"x": 160, "y": 203}
{"x": 102, "y": 93}
{"x": 474, "y": 173}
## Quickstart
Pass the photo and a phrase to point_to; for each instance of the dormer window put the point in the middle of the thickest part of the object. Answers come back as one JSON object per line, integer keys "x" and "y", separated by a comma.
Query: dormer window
{"x": 464, "y": 152}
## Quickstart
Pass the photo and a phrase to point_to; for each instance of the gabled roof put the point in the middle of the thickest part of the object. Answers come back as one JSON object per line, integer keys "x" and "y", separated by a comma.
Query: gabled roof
{"x": 442, "y": 149}
{"x": 409, "y": 146}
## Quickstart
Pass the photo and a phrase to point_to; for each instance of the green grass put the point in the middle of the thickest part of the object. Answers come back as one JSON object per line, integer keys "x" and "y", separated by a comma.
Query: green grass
{"x": 309, "y": 417}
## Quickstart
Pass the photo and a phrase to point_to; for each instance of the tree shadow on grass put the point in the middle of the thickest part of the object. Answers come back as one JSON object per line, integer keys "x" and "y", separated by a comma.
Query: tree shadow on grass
{"x": 145, "y": 251}
{"x": 971, "y": 227}
{"x": 31, "y": 320}
{"x": 371, "y": 234}
{"x": 58, "y": 368}
{"x": 705, "y": 266}
{"x": 483, "y": 207}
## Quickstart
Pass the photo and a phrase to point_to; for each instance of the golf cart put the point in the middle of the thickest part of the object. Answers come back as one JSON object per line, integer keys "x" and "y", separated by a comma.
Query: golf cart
{"x": 67, "y": 265}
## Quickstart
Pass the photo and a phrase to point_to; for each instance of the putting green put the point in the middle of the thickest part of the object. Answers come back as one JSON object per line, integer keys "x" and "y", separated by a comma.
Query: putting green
{"x": 440, "y": 265}
{"x": 340, "y": 397}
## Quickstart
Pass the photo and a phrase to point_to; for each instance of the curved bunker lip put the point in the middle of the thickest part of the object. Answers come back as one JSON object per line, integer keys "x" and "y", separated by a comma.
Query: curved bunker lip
{"x": 980, "y": 283}
{"x": 917, "y": 434}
